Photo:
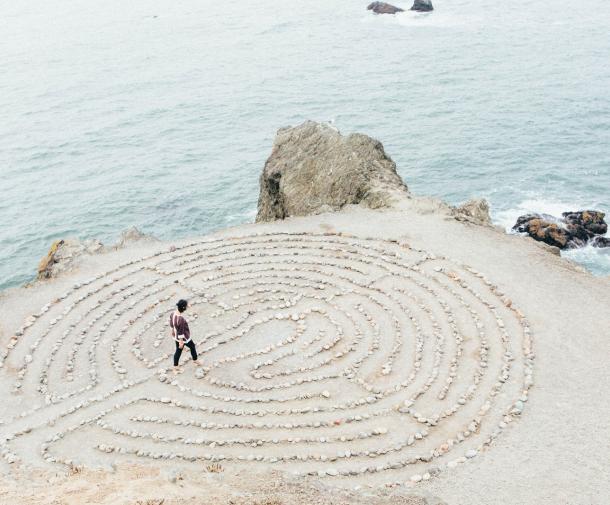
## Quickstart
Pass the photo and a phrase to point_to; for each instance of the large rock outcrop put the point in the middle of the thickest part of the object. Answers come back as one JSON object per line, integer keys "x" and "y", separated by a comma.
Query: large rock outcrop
{"x": 572, "y": 230}
{"x": 314, "y": 169}
{"x": 383, "y": 8}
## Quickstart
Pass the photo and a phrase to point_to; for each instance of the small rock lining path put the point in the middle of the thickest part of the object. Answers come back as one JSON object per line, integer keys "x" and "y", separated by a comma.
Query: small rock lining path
{"x": 361, "y": 361}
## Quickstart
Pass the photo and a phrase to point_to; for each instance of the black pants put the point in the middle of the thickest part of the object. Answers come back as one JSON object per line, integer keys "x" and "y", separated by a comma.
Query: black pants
{"x": 190, "y": 345}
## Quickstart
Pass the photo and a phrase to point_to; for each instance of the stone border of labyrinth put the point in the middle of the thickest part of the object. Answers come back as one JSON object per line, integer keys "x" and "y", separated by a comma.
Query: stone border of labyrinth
{"x": 407, "y": 345}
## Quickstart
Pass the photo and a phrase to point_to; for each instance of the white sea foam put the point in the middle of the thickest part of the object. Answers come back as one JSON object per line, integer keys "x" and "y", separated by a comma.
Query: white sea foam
{"x": 594, "y": 259}
{"x": 247, "y": 216}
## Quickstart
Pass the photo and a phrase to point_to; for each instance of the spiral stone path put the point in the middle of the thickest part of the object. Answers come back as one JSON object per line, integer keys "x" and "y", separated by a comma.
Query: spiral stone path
{"x": 360, "y": 361}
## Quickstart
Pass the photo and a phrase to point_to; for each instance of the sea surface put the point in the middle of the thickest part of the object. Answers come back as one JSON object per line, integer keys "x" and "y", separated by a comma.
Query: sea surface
{"x": 160, "y": 114}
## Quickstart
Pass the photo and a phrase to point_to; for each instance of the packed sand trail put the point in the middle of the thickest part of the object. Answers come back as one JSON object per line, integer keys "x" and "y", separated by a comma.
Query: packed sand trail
{"x": 371, "y": 350}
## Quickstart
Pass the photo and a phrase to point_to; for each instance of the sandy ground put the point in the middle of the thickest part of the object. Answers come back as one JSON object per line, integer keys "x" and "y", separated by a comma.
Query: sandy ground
{"x": 138, "y": 485}
{"x": 81, "y": 385}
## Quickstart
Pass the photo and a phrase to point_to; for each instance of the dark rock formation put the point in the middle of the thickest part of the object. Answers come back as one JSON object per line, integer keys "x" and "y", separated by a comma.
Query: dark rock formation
{"x": 544, "y": 231}
{"x": 313, "y": 169}
{"x": 422, "y": 6}
{"x": 585, "y": 224}
{"x": 600, "y": 242}
{"x": 383, "y": 8}
{"x": 573, "y": 229}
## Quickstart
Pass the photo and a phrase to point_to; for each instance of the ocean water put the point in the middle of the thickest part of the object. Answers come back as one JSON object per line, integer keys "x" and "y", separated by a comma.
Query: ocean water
{"x": 160, "y": 114}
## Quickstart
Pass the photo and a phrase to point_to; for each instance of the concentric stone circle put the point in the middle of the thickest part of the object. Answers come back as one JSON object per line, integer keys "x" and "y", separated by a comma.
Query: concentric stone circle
{"x": 352, "y": 359}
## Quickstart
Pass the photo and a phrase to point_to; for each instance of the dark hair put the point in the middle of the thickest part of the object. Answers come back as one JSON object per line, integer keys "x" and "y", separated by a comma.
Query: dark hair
{"x": 182, "y": 304}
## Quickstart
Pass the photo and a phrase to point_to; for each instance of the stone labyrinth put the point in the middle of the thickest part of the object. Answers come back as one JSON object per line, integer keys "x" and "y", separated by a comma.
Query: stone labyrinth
{"x": 361, "y": 361}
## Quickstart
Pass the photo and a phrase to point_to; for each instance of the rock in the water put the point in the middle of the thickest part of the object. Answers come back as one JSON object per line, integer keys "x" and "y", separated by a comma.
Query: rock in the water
{"x": 476, "y": 211}
{"x": 383, "y": 8}
{"x": 600, "y": 242}
{"x": 422, "y": 6}
{"x": 585, "y": 224}
{"x": 314, "y": 169}
{"x": 547, "y": 232}
{"x": 574, "y": 229}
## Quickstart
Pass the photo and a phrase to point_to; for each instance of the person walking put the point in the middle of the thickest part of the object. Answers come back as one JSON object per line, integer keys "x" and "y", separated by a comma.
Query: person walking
{"x": 181, "y": 333}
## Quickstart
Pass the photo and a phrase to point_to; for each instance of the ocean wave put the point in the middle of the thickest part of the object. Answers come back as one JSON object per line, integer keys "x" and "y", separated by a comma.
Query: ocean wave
{"x": 594, "y": 259}
{"x": 247, "y": 216}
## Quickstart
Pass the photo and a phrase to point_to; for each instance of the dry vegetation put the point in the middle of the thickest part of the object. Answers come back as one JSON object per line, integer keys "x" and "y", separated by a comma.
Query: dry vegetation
{"x": 140, "y": 485}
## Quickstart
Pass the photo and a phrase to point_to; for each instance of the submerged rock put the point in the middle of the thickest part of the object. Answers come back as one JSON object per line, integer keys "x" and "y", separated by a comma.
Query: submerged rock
{"x": 600, "y": 242}
{"x": 383, "y": 8}
{"x": 313, "y": 169}
{"x": 572, "y": 230}
{"x": 422, "y": 6}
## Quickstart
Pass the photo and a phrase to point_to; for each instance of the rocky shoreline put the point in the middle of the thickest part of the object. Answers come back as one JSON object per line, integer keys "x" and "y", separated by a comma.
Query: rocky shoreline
{"x": 356, "y": 337}
{"x": 295, "y": 182}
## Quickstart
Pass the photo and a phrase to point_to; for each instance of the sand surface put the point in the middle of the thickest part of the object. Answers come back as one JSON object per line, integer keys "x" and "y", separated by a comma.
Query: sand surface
{"x": 148, "y": 485}
{"x": 371, "y": 350}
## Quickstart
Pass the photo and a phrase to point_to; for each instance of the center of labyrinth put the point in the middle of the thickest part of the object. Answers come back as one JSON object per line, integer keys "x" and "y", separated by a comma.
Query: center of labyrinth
{"x": 360, "y": 360}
